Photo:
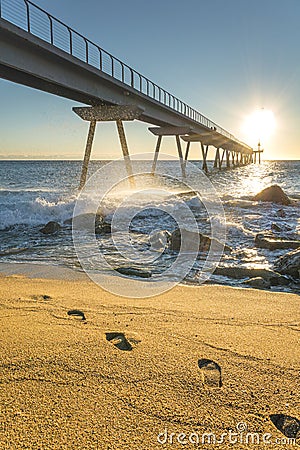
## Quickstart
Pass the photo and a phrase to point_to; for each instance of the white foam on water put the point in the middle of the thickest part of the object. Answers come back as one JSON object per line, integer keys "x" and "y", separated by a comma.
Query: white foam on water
{"x": 34, "y": 211}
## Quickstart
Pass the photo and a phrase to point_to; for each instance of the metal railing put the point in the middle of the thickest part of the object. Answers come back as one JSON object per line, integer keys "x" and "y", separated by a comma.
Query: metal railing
{"x": 38, "y": 22}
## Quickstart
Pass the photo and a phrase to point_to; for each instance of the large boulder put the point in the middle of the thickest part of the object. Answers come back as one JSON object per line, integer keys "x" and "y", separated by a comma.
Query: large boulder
{"x": 50, "y": 228}
{"x": 289, "y": 264}
{"x": 271, "y": 242}
{"x": 191, "y": 238}
{"x": 273, "y": 194}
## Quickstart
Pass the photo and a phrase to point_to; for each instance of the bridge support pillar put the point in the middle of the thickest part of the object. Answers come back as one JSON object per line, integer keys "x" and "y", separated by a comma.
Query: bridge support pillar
{"x": 103, "y": 113}
{"x": 222, "y": 159}
{"x": 87, "y": 155}
{"x": 125, "y": 151}
{"x": 170, "y": 131}
{"x": 156, "y": 154}
{"x": 227, "y": 159}
{"x": 204, "y": 157}
{"x": 182, "y": 163}
{"x": 217, "y": 159}
{"x": 188, "y": 145}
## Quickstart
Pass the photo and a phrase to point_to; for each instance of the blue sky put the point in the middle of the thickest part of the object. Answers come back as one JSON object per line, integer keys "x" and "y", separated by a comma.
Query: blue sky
{"x": 225, "y": 58}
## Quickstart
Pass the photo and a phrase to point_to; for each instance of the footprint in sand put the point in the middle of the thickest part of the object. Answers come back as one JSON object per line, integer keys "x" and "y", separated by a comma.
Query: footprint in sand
{"x": 40, "y": 298}
{"x": 288, "y": 425}
{"x": 77, "y": 314}
{"x": 211, "y": 373}
{"x": 120, "y": 341}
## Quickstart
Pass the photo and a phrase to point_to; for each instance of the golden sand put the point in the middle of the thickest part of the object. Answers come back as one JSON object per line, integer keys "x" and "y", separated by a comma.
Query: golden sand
{"x": 66, "y": 384}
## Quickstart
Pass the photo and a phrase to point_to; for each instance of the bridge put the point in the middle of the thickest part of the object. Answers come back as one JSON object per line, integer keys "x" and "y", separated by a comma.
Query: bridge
{"x": 40, "y": 51}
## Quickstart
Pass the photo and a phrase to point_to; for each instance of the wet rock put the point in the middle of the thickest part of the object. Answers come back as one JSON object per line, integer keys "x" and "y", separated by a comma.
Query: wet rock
{"x": 272, "y": 242}
{"x": 273, "y": 194}
{"x": 13, "y": 251}
{"x": 135, "y": 272}
{"x": 50, "y": 228}
{"x": 274, "y": 278}
{"x": 85, "y": 221}
{"x": 103, "y": 228}
{"x": 289, "y": 264}
{"x": 159, "y": 240}
{"x": 190, "y": 239}
{"x": 281, "y": 213}
{"x": 276, "y": 228}
{"x": 258, "y": 282}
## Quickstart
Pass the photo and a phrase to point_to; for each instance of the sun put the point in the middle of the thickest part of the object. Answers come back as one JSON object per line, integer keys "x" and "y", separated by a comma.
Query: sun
{"x": 259, "y": 126}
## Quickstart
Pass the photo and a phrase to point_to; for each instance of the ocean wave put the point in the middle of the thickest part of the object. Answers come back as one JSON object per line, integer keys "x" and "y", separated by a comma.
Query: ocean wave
{"x": 37, "y": 211}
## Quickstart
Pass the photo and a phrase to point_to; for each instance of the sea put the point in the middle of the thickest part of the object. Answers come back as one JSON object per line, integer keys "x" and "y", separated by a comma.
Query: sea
{"x": 32, "y": 193}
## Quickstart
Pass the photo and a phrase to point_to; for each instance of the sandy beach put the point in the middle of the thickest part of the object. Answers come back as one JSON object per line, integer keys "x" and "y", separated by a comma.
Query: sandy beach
{"x": 68, "y": 383}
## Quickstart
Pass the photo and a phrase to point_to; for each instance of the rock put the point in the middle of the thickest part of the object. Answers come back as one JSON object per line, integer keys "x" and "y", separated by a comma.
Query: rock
{"x": 135, "y": 272}
{"x": 103, "y": 228}
{"x": 159, "y": 240}
{"x": 68, "y": 221}
{"x": 84, "y": 221}
{"x": 190, "y": 238}
{"x": 274, "y": 278}
{"x": 50, "y": 228}
{"x": 279, "y": 280}
{"x": 272, "y": 242}
{"x": 13, "y": 251}
{"x": 281, "y": 213}
{"x": 289, "y": 264}
{"x": 273, "y": 194}
{"x": 275, "y": 227}
{"x": 258, "y": 282}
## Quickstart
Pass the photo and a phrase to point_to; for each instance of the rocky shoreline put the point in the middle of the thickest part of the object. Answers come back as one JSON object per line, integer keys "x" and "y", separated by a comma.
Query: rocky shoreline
{"x": 285, "y": 270}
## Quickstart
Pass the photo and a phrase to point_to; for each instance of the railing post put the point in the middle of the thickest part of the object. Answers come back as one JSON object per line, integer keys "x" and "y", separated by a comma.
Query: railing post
{"x": 87, "y": 51}
{"x": 123, "y": 73}
{"x": 100, "y": 59}
{"x": 51, "y": 29}
{"x": 132, "y": 78}
{"x": 28, "y": 16}
{"x": 71, "y": 41}
{"x": 112, "y": 66}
